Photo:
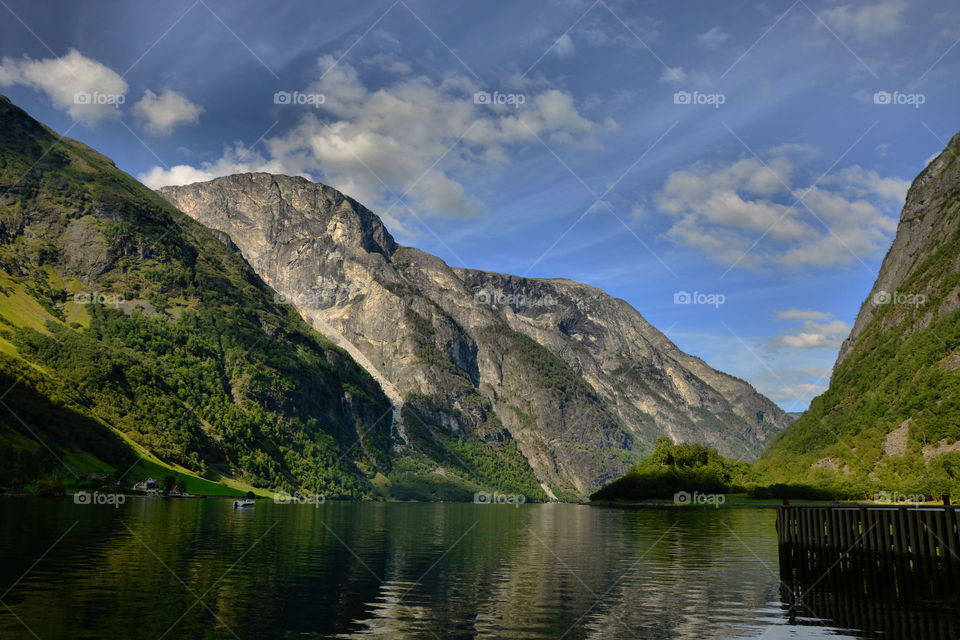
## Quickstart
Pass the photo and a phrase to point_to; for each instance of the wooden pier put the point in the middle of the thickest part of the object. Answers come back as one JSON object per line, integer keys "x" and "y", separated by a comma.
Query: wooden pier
{"x": 915, "y": 532}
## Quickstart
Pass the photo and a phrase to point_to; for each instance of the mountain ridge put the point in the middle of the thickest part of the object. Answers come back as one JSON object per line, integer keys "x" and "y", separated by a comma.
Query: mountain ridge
{"x": 895, "y": 267}
{"x": 441, "y": 334}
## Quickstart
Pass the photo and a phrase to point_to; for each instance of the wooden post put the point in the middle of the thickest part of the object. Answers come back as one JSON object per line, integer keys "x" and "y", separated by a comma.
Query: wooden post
{"x": 883, "y": 525}
{"x": 900, "y": 544}
{"x": 914, "y": 531}
{"x": 865, "y": 530}
{"x": 929, "y": 550}
{"x": 951, "y": 536}
{"x": 941, "y": 533}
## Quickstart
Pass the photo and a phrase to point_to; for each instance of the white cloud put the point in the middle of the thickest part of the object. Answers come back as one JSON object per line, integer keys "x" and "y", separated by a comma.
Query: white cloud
{"x": 162, "y": 114}
{"x": 84, "y": 88}
{"x": 802, "y": 314}
{"x": 743, "y": 212}
{"x": 867, "y": 21}
{"x": 394, "y": 136}
{"x": 673, "y": 74}
{"x": 713, "y": 38}
{"x": 236, "y": 159}
{"x": 563, "y": 47}
{"x": 812, "y": 334}
{"x": 791, "y": 377}
{"x": 861, "y": 183}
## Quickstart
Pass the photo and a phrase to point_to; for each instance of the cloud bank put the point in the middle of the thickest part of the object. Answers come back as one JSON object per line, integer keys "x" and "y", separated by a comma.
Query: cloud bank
{"x": 84, "y": 88}
{"x": 761, "y": 214}
{"x": 415, "y": 137}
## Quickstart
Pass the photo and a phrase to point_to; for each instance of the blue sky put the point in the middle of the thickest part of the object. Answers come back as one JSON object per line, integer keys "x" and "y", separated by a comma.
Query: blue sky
{"x": 737, "y": 151}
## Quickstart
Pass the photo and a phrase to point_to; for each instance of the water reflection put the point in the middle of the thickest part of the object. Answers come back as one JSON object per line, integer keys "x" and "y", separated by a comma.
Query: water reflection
{"x": 199, "y": 569}
{"x": 877, "y": 596}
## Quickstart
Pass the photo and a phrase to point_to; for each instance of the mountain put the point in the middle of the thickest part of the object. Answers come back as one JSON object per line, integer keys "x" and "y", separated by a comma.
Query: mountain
{"x": 130, "y": 332}
{"x": 891, "y": 416}
{"x": 546, "y": 372}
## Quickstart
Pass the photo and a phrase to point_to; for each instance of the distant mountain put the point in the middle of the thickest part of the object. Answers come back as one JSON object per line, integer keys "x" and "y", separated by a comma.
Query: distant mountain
{"x": 891, "y": 416}
{"x": 486, "y": 371}
{"x": 127, "y": 330}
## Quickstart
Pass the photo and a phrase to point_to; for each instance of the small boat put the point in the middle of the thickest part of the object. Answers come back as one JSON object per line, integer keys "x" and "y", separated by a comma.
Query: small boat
{"x": 243, "y": 502}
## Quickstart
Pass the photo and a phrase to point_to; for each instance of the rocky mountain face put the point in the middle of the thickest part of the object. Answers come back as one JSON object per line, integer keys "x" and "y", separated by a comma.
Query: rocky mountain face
{"x": 486, "y": 371}
{"x": 925, "y": 224}
{"x": 892, "y": 410}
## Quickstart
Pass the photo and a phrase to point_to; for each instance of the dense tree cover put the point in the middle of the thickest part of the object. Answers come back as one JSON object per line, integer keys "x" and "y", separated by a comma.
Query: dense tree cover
{"x": 213, "y": 389}
{"x": 273, "y": 407}
{"x": 39, "y": 410}
{"x": 678, "y": 467}
{"x": 443, "y": 466}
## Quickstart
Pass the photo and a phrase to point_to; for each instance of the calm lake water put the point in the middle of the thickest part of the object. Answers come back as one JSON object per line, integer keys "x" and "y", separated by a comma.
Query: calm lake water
{"x": 158, "y": 569}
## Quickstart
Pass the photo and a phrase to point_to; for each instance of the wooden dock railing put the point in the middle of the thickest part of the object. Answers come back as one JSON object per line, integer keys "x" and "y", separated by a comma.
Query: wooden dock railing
{"x": 920, "y": 532}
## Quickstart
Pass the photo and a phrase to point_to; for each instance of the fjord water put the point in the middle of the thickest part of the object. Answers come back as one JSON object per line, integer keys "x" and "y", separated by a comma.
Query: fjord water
{"x": 200, "y": 569}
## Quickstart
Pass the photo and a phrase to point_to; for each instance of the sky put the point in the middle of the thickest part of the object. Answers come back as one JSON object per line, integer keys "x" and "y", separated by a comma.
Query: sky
{"x": 733, "y": 170}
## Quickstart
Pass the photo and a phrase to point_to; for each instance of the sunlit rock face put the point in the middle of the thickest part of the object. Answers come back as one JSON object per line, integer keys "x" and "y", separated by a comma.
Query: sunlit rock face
{"x": 576, "y": 378}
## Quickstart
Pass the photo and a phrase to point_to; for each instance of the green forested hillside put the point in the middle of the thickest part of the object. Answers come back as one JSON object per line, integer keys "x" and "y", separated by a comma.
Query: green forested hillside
{"x": 126, "y": 325}
{"x": 890, "y": 419}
